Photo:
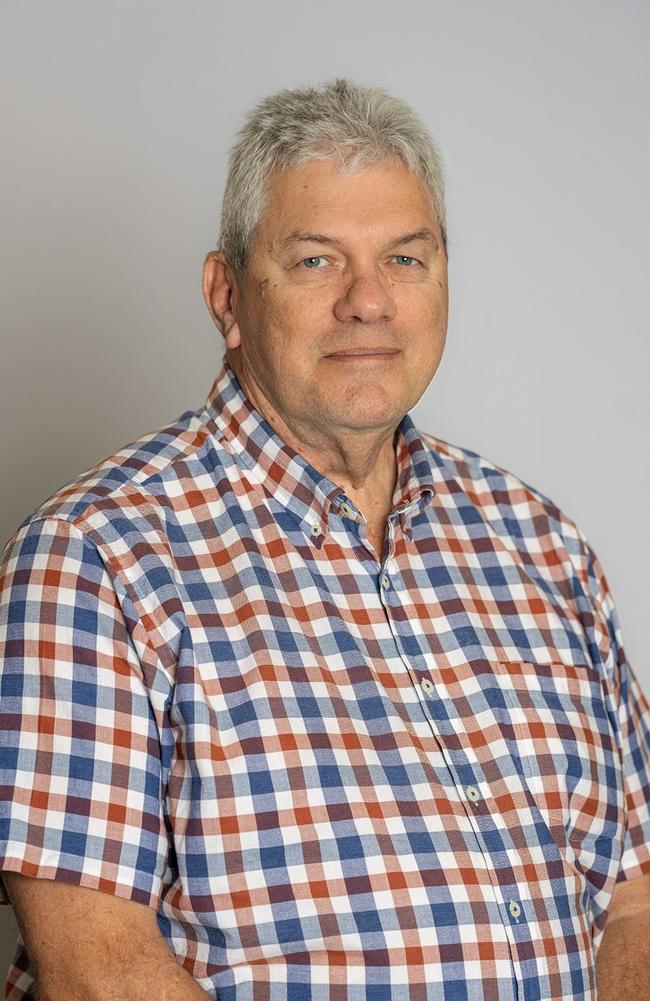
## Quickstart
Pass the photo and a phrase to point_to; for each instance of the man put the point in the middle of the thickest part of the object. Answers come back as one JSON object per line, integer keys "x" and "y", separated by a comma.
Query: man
{"x": 301, "y": 703}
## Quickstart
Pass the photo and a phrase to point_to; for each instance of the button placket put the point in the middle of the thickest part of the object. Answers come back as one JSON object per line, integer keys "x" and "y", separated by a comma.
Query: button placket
{"x": 473, "y": 794}
{"x": 481, "y": 821}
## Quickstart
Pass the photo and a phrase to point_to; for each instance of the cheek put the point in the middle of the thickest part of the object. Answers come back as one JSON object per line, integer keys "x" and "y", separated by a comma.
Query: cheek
{"x": 300, "y": 316}
{"x": 296, "y": 299}
{"x": 423, "y": 312}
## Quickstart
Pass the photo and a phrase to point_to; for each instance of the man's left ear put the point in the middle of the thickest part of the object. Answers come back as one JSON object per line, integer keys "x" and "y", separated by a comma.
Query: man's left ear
{"x": 218, "y": 285}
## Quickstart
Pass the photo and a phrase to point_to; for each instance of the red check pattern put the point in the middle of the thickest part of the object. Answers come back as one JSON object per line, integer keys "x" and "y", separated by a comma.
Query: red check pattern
{"x": 334, "y": 779}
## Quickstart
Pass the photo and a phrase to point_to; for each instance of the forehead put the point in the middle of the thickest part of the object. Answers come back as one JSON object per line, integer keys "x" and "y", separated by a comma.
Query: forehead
{"x": 321, "y": 194}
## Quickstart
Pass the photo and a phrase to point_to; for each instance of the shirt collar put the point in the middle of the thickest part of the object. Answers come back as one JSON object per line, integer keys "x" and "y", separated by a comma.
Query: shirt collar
{"x": 290, "y": 479}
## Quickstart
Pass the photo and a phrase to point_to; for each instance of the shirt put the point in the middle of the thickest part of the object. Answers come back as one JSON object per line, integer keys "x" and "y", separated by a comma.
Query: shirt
{"x": 334, "y": 778}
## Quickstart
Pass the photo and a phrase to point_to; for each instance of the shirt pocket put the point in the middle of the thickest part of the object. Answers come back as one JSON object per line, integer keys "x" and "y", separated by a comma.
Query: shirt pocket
{"x": 566, "y": 750}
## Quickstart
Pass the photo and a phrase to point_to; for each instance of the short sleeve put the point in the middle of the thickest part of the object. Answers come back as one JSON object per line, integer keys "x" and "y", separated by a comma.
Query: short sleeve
{"x": 634, "y": 722}
{"x": 633, "y": 718}
{"x": 80, "y": 762}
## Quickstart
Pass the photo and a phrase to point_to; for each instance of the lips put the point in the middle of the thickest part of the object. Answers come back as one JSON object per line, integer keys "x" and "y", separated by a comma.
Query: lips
{"x": 362, "y": 352}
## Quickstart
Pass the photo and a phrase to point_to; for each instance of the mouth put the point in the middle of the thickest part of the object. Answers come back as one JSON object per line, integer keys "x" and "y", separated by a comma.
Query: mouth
{"x": 355, "y": 354}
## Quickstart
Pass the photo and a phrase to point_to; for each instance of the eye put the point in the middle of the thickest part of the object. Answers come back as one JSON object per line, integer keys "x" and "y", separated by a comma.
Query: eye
{"x": 406, "y": 261}
{"x": 312, "y": 262}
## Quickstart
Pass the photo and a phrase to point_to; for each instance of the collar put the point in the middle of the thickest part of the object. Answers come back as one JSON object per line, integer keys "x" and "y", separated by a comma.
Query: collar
{"x": 290, "y": 479}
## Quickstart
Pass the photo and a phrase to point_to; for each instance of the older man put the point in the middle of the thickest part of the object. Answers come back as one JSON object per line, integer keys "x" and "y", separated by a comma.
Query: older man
{"x": 323, "y": 707}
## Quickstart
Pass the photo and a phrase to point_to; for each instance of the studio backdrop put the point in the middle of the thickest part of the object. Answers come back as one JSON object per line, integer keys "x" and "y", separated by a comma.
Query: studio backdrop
{"x": 117, "y": 119}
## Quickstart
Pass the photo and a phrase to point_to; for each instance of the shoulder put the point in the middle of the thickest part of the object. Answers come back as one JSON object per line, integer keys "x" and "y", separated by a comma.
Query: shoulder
{"x": 133, "y": 486}
{"x": 106, "y": 538}
{"x": 504, "y": 521}
{"x": 521, "y": 517}
{"x": 492, "y": 486}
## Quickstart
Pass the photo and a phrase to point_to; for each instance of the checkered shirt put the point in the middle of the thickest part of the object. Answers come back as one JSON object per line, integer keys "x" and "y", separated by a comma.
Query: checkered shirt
{"x": 334, "y": 779}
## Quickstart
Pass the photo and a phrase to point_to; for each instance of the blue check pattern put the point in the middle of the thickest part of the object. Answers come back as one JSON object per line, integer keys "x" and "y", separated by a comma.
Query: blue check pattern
{"x": 334, "y": 778}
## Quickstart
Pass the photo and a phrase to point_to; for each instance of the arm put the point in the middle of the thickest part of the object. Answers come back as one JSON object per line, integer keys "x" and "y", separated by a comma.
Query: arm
{"x": 89, "y": 946}
{"x": 623, "y": 959}
{"x": 80, "y": 751}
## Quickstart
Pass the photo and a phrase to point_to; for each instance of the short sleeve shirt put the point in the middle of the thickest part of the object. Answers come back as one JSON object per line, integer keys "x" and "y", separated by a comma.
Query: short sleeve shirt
{"x": 336, "y": 775}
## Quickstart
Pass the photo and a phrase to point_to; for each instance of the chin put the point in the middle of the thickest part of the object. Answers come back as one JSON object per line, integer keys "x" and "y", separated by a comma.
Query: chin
{"x": 372, "y": 407}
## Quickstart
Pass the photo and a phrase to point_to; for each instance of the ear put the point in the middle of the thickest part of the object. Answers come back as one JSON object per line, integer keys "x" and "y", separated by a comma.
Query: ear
{"x": 218, "y": 287}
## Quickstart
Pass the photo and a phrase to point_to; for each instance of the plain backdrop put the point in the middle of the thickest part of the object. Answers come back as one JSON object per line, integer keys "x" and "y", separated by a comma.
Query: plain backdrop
{"x": 116, "y": 121}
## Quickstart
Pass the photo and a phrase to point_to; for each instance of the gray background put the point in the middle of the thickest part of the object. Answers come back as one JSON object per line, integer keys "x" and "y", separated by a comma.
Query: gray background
{"x": 116, "y": 120}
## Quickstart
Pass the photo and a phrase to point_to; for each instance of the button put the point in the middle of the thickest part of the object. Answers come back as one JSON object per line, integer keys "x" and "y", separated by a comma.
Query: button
{"x": 385, "y": 581}
{"x": 346, "y": 510}
{"x": 427, "y": 686}
{"x": 514, "y": 908}
{"x": 316, "y": 529}
{"x": 472, "y": 793}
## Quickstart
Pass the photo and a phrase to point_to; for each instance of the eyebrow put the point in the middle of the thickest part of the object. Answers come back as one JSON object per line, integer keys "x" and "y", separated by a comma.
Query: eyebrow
{"x": 420, "y": 234}
{"x": 301, "y": 236}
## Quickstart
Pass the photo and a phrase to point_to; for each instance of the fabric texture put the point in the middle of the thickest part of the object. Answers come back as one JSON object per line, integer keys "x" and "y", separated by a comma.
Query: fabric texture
{"x": 333, "y": 778}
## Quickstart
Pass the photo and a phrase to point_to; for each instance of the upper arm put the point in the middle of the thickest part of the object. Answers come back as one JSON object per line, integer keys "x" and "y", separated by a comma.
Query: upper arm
{"x": 632, "y": 721}
{"x": 631, "y": 897}
{"x": 85, "y": 945}
{"x": 80, "y": 755}
{"x": 75, "y": 936}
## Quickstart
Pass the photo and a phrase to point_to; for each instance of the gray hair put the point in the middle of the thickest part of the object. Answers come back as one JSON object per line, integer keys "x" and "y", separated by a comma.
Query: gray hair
{"x": 359, "y": 126}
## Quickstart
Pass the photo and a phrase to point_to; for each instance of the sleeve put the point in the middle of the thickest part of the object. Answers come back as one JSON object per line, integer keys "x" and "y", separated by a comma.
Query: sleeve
{"x": 633, "y": 718}
{"x": 634, "y": 722}
{"x": 80, "y": 760}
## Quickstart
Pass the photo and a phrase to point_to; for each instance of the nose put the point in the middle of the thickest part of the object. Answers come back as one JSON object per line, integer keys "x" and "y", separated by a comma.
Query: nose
{"x": 367, "y": 298}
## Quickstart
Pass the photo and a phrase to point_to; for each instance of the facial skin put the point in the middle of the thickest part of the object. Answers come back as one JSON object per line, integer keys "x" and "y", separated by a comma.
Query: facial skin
{"x": 338, "y": 323}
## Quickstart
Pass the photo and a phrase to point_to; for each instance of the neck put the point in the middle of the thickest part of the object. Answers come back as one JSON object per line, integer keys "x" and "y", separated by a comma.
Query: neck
{"x": 361, "y": 462}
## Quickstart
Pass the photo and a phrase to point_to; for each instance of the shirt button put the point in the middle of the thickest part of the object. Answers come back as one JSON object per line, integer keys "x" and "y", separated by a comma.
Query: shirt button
{"x": 427, "y": 686}
{"x": 316, "y": 529}
{"x": 514, "y": 908}
{"x": 385, "y": 581}
{"x": 472, "y": 793}
{"x": 346, "y": 510}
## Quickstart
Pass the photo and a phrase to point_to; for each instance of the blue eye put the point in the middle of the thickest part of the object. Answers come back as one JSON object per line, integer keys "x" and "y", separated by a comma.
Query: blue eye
{"x": 312, "y": 262}
{"x": 404, "y": 259}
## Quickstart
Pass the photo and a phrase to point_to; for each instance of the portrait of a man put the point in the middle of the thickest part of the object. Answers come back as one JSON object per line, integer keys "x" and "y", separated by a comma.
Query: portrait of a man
{"x": 299, "y": 700}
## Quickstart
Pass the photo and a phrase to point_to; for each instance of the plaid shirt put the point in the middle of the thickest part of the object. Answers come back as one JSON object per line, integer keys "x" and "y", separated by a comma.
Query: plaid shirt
{"x": 333, "y": 779}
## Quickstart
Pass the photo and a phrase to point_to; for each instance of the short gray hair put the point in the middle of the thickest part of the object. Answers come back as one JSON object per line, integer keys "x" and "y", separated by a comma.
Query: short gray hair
{"x": 359, "y": 126}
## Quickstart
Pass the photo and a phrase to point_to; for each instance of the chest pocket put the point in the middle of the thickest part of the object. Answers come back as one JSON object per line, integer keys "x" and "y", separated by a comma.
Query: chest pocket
{"x": 565, "y": 747}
